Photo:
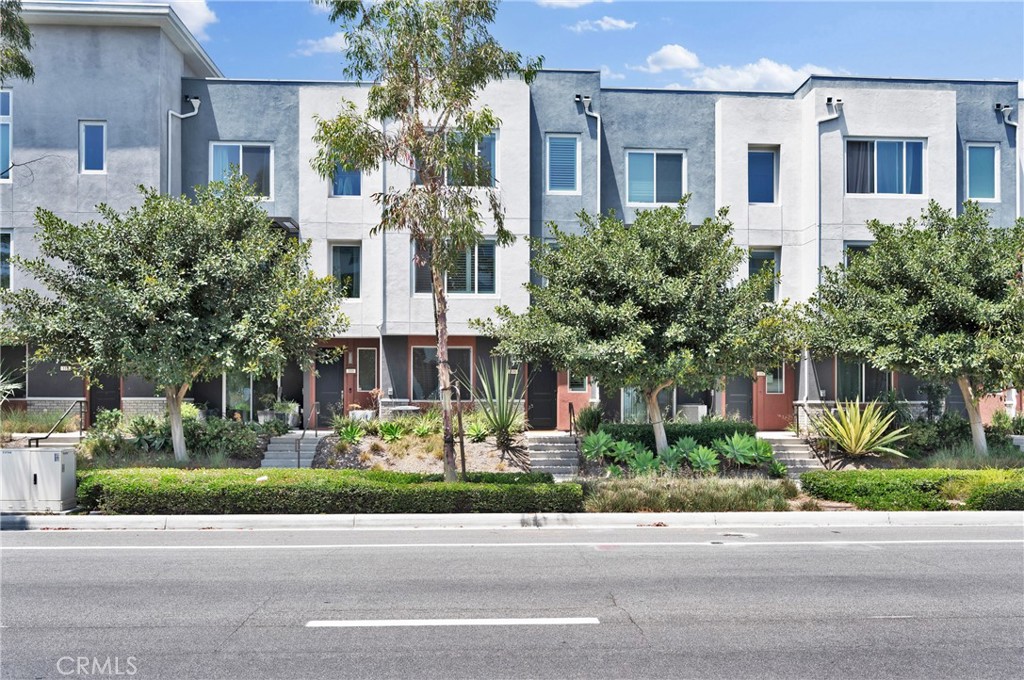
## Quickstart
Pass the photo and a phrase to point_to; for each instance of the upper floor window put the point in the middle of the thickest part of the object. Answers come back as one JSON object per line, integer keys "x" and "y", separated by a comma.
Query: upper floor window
{"x": 474, "y": 273}
{"x": 346, "y": 182}
{"x": 884, "y": 167}
{"x": 654, "y": 177}
{"x": 253, "y": 161}
{"x": 92, "y": 147}
{"x": 5, "y": 260}
{"x": 486, "y": 169}
{"x": 563, "y": 166}
{"x": 853, "y": 248}
{"x": 764, "y": 259}
{"x": 761, "y": 175}
{"x": 5, "y": 135}
{"x": 983, "y": 172}
{"x": 346, "y": 266}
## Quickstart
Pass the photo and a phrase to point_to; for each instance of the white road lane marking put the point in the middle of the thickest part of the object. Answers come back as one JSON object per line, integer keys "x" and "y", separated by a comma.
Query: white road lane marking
{"x": 514, "y": 545}
{"x": 401, "y": 623}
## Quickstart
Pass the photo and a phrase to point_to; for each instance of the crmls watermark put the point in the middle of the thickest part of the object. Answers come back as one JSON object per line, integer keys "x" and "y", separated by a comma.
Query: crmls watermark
{"x": 98, "y": 666}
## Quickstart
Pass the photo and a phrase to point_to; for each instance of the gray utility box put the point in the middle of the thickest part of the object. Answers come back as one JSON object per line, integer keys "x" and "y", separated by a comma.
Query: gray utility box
{"x": 37, "y": 480}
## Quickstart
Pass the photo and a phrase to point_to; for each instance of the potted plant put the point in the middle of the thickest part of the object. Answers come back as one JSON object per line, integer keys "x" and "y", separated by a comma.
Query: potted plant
{"x": 288, "y": 411}
{"x": 266, "y": 414}
{"x": 357, "y": 412}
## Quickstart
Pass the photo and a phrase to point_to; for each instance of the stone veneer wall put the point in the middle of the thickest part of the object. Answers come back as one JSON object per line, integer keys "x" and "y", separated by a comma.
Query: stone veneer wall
{"x": 56, "y": 404}
{"x": 143, "y": 406}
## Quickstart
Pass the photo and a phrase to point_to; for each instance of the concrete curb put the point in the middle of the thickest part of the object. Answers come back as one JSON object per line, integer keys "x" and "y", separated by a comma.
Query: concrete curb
{"x": 692, "y": 520}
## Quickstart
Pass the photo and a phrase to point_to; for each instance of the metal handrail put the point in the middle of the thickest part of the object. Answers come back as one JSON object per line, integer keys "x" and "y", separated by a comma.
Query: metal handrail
{"x": 80, "y": 403}
{"x": 572, "y": 421}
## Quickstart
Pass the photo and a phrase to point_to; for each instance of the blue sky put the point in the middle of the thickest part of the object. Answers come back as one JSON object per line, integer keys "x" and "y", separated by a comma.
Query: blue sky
{"x": 706, "y": 45}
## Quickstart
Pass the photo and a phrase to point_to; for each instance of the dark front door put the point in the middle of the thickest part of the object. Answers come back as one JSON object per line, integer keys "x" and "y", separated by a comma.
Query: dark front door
{"x": 739, "y": 398}
{"x": 542, "y": 398}
{"x": 328, "y": 391}
{"x": 104, "y": 393}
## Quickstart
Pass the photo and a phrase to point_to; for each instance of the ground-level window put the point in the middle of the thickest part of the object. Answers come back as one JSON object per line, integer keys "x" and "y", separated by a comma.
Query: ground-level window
{"x": 654, "y": 177}
{"x": 238, "y": 393}
{"x": 424, "y": 372}
{"x": 346, "y": 265}
{"x": 860, "y": 381}
{"x": 634, "y": 408}
{"x": 577, "y": 383}
{"x": 92, "y": 147}
{"x": 366, "y": 368}
{"x": 982, "y": 171}
{"x": 774, "y": 380}
{"x": 253, "y": 161}
{"x": 886, "y": 166}
{"x": 5, "y": 260}
{"x": 853, "y": 248}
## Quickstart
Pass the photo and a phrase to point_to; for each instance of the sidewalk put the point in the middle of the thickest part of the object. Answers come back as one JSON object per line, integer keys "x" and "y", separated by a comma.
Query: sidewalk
{"x": 696, "y": 520}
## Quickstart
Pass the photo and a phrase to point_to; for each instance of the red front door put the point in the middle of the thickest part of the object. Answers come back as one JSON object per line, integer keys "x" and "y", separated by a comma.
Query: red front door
{"x": 774, "y": 392}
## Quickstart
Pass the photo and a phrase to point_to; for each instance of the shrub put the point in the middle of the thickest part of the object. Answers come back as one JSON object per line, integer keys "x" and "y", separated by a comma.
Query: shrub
{"x": 108, "y": 420}
{"x": 997, "y": 496}
{"x": 703, "y": 433}
{"x": 963, "y": 456}
{"x": 271, "y": 428}
{"x": 224, "y": 436}
{"x": 589, "y": 419}
{"x": 921, "y": 489}
{"x": 674, "y": 494}
{"x": 860, "y": 431}
{"x": 165, "y": 491}
{"x": 777, "y": 470}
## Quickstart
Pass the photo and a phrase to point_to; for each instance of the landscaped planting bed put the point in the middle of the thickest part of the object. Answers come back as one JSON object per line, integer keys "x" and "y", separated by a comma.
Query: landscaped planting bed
{"x": 920, "y": 489}
{"x": 704, "y": 433}
{"x": 155, "y": 491}
{"x": 679, "y": 494}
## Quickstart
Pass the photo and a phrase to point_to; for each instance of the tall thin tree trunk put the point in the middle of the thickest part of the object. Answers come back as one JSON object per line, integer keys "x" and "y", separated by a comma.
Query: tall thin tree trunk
{"x": 174, "y": 399}
{"x": 974, "y": 415}
{"x": 444, "y": 373}
{"x": 656, "y": 418}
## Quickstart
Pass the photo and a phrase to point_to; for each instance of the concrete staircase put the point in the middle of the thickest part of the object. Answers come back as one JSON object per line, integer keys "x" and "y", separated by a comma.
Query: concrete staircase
{"x": 292, "y": 450}
{"x": 792, "y": 452}
{"x": 554, "y": 452}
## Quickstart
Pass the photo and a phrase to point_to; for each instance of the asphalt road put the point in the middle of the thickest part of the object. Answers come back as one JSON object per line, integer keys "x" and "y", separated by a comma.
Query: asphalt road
{"x": 788, "y": 603}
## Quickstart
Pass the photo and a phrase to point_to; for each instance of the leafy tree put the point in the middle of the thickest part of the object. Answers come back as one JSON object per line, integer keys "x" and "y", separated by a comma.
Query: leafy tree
{"x": 939, "y": 298}
{"x": 428, "y": 62}
{"x": 650, "y": 305}
{"x": 15, "y": 42}
{"x": 175, "y": 290}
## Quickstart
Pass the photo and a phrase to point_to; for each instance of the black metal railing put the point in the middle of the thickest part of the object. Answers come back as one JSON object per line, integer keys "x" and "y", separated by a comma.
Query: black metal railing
{"x": 572, "y": 421}
{"x": 78, "y": 404}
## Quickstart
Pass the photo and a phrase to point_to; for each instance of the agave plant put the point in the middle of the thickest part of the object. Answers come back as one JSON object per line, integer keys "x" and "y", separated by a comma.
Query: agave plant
{"x": 642, "y": 462}
{"x": 350, "y": 433}
{"x": 597, "y": 445}
{"x": 476, "y": 431}
{"x": 703, "y": 460}
{"x": 621, "y": 451}
{"x": 392, "y": 431}
{"x": 777, "y": 470}
{"x": 739, "y": 448}
{"x": 763, "y": 452}
{"x": 672, "y": 458}
{"x": 860, "y": 431}
{"x": 499, "y": 402}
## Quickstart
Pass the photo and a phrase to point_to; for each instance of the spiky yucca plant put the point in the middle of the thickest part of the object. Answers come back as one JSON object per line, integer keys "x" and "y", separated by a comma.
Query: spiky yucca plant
{"x": 860, "y": 431}
{"x": 499, "y": 403}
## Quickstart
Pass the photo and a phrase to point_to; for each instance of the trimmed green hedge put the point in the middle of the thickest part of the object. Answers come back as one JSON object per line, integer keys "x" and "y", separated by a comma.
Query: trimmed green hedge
{"x": 997, "y": 496}
{"x": 704, "y": 433}
{"x": 152, "y": 491}
{"x": 913, "y": 489}
{"x": 393, "y": 477}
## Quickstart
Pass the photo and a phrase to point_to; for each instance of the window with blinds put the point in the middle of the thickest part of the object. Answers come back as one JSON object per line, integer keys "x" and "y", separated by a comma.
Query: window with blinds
{"x": 563, "y": 164}
{"x": 474, "y": 273}
{"x": 654, "y": 177}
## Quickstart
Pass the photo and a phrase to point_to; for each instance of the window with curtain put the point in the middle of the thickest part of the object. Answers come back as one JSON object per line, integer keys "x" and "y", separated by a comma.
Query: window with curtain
{"x": 92, "y": 150}
{"x": 563, "y": 163}
{"x": 346, "y": 266}
{"x": 761, "y": 175}
{"x": 6, "y": 121}
{"x": 366, "y": 369}
{"x": 764, "y": 259}
{"x": 654, "y": 177}
{"x": 981, "y": 171}
{"x": 424, "y": 372}
{"x": 884, "y": 167}
{"x": 346, "y": 182}
{"x": 5, "y": 260}
{"x": 474, "y": 273}
{"x": 251, "y": 160}
{"x": 857, "y": 380}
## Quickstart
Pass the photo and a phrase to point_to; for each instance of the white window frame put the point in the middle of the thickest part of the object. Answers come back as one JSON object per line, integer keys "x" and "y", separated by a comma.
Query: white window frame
{"x": 967, "y": 171}
{"x": 81, "y": 146}
{"x": 568, "y": 384}
{"x": 10, "y": 235}
{"x": 330, "y": 186}
{"x": 904, "y": 140}
{"x": 672, "y": 152}
{"x": 547, "y": 164}
{"x": 359, "y": 368}
{"x": 776, "y": 260}
{"x": 9, "y": 121}
{"x": 330, "y": 265}
{"x": 472, "y": 369}
{"x": 622, "y": 402}
{"x": 224, "y": 142}
{"x": 782, "y": 381}
{"x": 775, "y": 151}
{"x": 476, "y": 274}
{"x": 853, "y": 244}
{"x": 444, "y": 175}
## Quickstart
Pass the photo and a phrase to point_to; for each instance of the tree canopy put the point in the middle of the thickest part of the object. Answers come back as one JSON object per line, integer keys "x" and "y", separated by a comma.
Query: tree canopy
{"x": 175, "y": 290}
{"x": 939, "y": 298}
{"x": 649, "y": 305}
{"x": 15, "y": 43}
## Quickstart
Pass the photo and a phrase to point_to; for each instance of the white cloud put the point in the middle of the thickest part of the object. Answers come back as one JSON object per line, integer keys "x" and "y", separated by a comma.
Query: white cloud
{"x": 326, "y": 45}
{"x": 568, "y": 4}
{"x": 670, "y": 58}
{"x": 195, "y": 14}
{"x": 608, "y": 74}
{"x": 765, "y": 74}
{"x": 674, "y": 86}
{"x": 602, "y": 24}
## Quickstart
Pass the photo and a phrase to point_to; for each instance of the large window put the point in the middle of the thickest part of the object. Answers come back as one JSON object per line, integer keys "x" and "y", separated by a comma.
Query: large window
{"x": 474, "y": 273}
{"x": 424, "y": 372}
{"x": 253, "y": 161}
{"x": 764, "y": 259}
{"x": 346, "y": 265}
{"x": 5, "y": 260}
{"x": 487, "y": 153}
{"x": 884, "y": 167}
{"x": 366, "y": 369}
{"x": 859, "y": 381}
{"x": 654, "y": 177}
{"x": 6, "y": 120}
{"x": 92, "y": 147}
{"x": 761, "y": 171}
{"x": 346, "y": 182}
{"x": 563, "y": 164}
{"x": 983, "y": 172}
{"x": 634, "y": 408}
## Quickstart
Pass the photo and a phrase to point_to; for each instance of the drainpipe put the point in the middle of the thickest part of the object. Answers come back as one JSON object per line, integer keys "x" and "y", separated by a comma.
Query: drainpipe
{"x": 588, "y": 109}
{"x": 383, "y": 286}
{"x": 836, "y": 108}
{"x": 1004, "y": 110}
{"x": 195, "y": 102}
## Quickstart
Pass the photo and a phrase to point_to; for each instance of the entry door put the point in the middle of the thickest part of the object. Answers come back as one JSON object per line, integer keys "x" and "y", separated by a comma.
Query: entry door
{"x": 542, "y": 397}
{"x": 774, "y": 392}
{"x": 329, "y": 394}
{"x": 104, "y": 393}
